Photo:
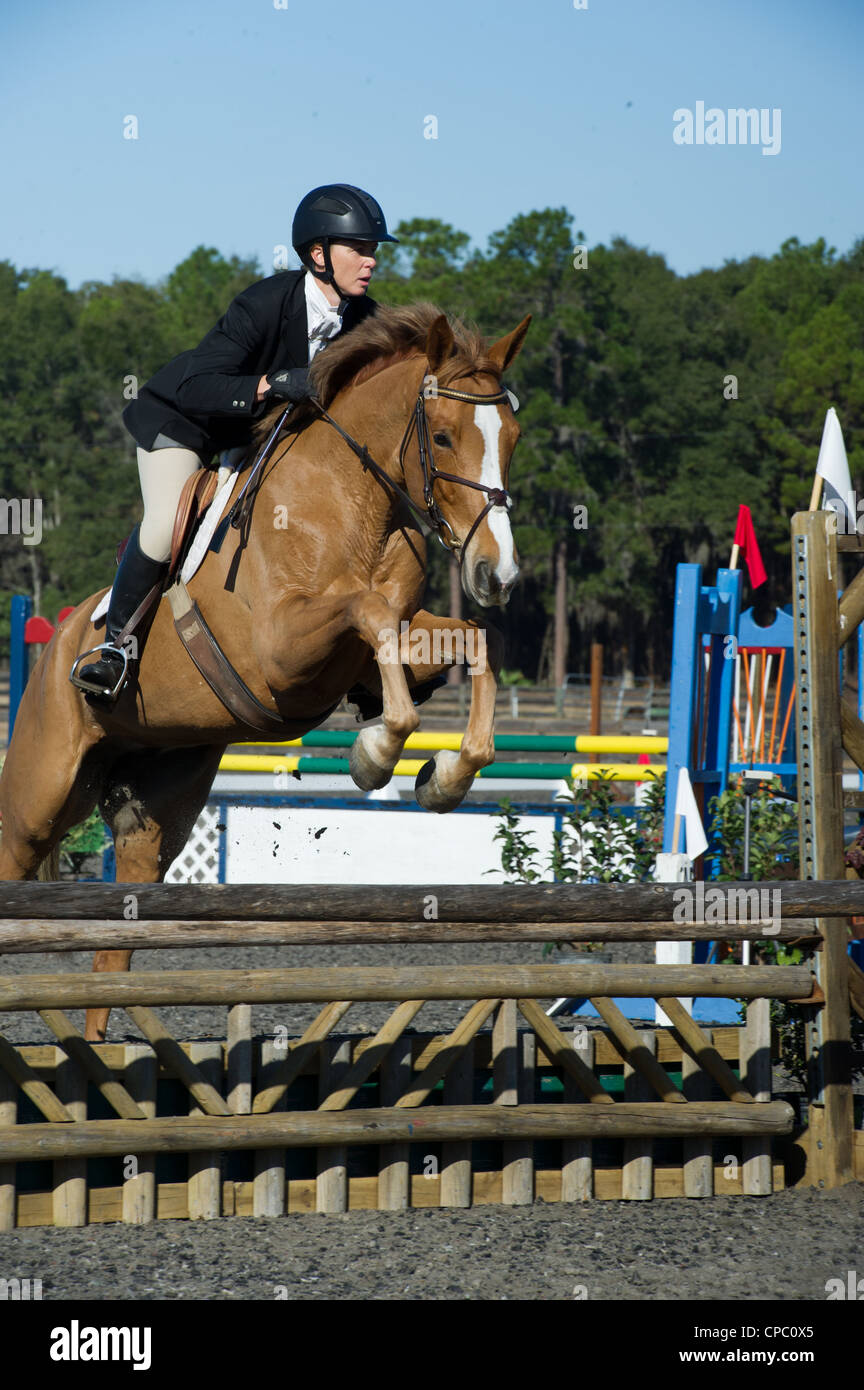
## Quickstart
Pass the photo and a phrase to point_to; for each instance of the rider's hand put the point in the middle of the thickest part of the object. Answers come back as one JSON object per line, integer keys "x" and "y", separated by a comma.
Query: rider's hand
{"x": 289, "y": 384}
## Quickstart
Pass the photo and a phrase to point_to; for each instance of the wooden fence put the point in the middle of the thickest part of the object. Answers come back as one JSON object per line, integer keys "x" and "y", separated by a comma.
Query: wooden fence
{"x": 505, "y": 1107}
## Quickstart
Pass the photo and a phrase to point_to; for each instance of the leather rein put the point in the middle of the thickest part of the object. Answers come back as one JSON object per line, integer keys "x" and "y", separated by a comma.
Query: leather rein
{"x": 419, "y": 424}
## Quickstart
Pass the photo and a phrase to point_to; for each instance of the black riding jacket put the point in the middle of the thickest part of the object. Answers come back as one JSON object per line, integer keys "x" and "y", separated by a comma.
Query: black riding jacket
{"x": 205, "y": 397}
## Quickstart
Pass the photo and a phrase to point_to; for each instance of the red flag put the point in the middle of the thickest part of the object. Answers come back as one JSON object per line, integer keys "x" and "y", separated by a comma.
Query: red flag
{"x": 745, "y": 539}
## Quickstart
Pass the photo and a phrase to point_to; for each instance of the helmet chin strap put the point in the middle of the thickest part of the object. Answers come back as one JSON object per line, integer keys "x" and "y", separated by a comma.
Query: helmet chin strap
{"x": 327, "y": 274}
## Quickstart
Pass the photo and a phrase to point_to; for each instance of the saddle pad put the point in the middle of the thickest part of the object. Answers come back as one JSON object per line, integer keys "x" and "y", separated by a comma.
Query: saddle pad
{"x": 201, "y": 540}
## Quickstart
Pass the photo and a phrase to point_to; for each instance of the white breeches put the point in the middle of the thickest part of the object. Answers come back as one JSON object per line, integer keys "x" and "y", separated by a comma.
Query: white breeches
{"x": 163, "y": 473}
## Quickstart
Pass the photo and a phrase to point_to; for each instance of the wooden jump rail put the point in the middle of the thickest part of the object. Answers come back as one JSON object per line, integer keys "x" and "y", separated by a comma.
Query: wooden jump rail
{"x": 490, "y": 904}
{"x": 264, "y": 1102}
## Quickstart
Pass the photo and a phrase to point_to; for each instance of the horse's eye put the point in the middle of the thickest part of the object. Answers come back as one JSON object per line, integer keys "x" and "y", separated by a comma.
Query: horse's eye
{"x": 443, "y": 438}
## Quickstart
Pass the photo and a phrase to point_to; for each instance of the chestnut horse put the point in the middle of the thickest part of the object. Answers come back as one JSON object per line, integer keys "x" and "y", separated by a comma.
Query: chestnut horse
{"x": 303, "y": 606}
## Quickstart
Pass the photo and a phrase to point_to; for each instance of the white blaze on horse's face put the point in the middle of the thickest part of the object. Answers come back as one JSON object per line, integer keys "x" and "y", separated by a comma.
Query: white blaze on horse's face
{"x": 491, "y": 583}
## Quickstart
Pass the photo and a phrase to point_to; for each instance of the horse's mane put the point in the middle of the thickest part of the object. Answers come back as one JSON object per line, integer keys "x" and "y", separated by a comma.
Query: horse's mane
{"x": 385, "y": 337}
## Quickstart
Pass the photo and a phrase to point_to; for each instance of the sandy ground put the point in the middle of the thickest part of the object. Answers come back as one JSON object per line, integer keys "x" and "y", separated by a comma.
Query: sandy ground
{"x": 784, "y": 1247}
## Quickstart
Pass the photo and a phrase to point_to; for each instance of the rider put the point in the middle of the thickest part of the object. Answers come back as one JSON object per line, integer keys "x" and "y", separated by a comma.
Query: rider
{"x": 208, "y": 399}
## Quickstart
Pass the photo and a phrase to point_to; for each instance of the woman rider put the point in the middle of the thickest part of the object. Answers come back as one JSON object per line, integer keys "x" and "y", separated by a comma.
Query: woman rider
{"x": 207, "y": 400}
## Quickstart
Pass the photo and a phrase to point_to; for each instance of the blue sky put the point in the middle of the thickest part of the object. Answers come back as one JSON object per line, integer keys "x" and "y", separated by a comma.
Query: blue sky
{"x": 242, "y": 107}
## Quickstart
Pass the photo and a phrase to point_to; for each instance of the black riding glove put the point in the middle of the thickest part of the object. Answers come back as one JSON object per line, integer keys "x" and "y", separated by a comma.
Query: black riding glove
{"x": 289, "y": 384}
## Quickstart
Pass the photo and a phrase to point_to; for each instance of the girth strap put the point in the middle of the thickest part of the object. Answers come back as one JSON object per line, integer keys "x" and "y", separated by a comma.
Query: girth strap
{"x": 215, "y": 667}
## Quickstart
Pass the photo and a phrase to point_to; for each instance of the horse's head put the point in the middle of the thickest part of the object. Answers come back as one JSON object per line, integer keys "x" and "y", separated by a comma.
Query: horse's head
{"x": 473, "y": 441}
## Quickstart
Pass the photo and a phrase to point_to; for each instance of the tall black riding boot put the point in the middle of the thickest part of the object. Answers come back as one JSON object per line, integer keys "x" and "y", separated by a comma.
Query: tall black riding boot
{"x": 136, "y": 575}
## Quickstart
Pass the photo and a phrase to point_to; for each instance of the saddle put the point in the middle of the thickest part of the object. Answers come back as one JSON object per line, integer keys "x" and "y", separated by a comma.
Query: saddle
{"x": 198, "y": 492}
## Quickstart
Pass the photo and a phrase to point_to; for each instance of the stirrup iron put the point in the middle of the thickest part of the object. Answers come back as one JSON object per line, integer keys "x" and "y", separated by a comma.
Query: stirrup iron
{"x": 92, "y": 689}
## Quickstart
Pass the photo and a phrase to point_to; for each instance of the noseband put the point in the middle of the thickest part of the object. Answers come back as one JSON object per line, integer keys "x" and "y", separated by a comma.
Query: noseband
{"x": 419, "y": 425}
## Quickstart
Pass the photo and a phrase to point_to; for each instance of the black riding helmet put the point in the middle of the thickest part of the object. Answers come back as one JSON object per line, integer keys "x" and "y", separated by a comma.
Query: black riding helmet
{"x": 339, "y": 212}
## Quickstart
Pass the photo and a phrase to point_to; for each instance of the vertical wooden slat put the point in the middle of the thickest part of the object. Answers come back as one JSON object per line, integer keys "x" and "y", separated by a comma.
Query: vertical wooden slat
{"x": 756, "y": 1072}
{"x": 8, "y": 1116}
{"x": 504, "y": 1061}
{"x": 394, "y": 1160}
{"x": 331, "y": 1188}
{"x": 698, "y": 1153}
{"x": 205, "y": 1169}
{"x": 637, "y": 1170}
{"x": 519, "y": 1155}
{"x": 239, "y": 1060}
{"x": 69, "y": 1197}
{"x": 815, "y": 581}
{"x": 577, "y": 1160}
{"x": 505, "y": 1070}
{"x": 513, "y": 1078}
{"x": 456, "y": 1157}
{"x": 814, "y": 1139}
{"x": 140, "y": 1072}
{"x": 269, "y": 1188}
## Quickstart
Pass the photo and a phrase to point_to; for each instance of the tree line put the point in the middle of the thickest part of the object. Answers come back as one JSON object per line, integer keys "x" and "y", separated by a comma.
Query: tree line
{"x": 651, "y": 405}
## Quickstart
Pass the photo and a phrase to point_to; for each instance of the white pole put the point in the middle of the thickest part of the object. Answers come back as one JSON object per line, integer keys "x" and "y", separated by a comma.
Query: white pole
{"x": 673, "y": 868}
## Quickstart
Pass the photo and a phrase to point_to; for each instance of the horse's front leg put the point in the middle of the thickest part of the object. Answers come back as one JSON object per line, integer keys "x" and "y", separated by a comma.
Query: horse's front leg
{"x": 377, "y": 750}
{"x": 434, "y": 644}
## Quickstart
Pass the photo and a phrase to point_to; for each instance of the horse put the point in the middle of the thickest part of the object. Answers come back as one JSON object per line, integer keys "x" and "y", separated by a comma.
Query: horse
{"x": 304, "y": 601}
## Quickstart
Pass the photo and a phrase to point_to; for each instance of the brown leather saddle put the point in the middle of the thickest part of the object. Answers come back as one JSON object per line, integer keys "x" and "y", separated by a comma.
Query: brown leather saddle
{"x": 198, "y": 492}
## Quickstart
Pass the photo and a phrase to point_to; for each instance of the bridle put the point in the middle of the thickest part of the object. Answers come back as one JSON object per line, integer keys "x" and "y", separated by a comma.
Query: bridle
{"x": 419, "y": 425}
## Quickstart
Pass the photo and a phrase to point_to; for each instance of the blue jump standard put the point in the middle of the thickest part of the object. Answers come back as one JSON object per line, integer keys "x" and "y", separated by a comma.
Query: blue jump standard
{"x": 710, "y": 1010}
{"x": 720, "y": 1011}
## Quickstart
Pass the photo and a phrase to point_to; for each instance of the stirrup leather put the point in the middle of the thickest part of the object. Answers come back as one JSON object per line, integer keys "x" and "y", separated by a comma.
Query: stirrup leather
{"x": 100, "y": 689}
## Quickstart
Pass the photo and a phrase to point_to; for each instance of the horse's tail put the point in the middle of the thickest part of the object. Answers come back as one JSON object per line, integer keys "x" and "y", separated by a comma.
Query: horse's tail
{"x": 49, "y": 869}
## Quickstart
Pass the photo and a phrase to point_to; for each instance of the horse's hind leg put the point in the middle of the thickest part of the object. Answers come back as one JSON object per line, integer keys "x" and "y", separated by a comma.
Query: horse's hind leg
{"x": 151, "y": 802}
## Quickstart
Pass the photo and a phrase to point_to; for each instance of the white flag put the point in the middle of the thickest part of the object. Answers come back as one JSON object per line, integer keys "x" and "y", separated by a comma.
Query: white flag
{"x": 685, "y": 806}
{"x": 833, "y": 466}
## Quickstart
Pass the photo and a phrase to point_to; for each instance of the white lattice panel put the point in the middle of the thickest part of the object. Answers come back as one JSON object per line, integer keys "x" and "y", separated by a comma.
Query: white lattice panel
{"x": 199, "y": 860}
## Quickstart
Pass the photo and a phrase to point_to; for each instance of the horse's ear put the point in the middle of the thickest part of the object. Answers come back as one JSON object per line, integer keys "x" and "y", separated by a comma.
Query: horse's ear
{"x": 439, "y": 342}
{"x": 503, "y": 352}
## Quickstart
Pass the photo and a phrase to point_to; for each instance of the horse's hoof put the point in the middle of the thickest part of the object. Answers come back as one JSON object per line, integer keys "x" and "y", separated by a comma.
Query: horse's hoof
{"x": 428, "y": 789}
{"x": 366, "y": 773}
